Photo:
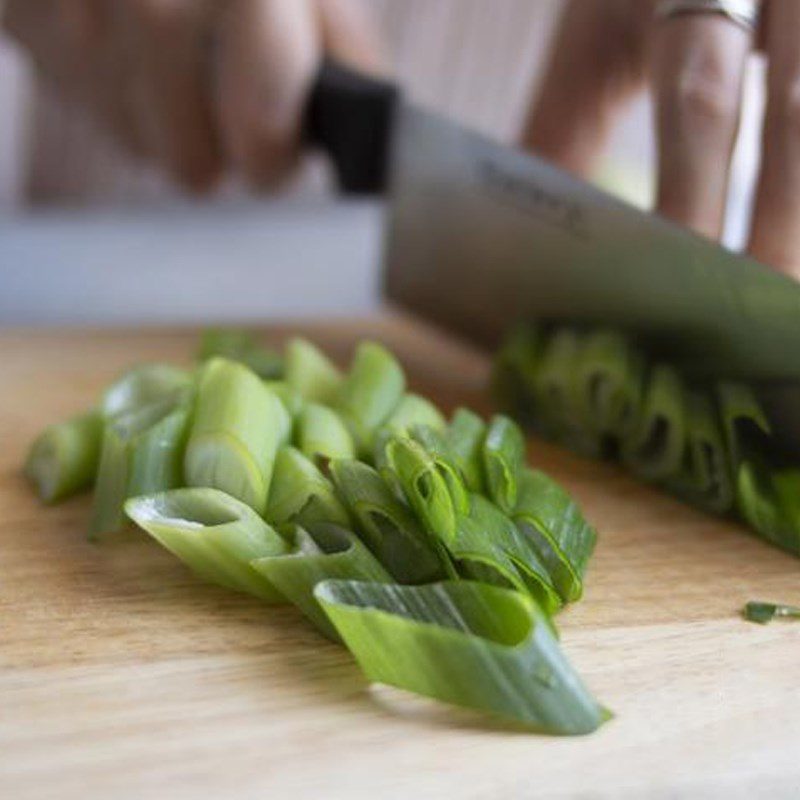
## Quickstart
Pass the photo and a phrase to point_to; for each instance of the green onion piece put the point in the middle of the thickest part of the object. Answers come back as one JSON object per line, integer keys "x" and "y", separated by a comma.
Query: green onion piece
{"x": 371, "y": 392}
{"x": 704, "y": 479}
{"x": 514, "y": 370}
{"x": 386, "y": 525}
{"x": 414, "y": 410}
{"x": 319, "y": 552}
{"x": 464, "y": 643}
{"x": 464, "y": 438}
{"x": 239, "y": 425}
{"x": 554, "y": 523}
{"x": 239, "y": 345}
{"x": 424, "y": 486}
{"x": 489, "y": 546}
{"x": 292, "y": 399}
{"x": 311, "y": 373}
{"x": 142, "y": 453}
{"x": 746, "y": 427}
{"x": 321, "y": 432}
{"x": 763, "y": 613}
{"x": 296, "y": 482}
{"x": 768, "y": 498}
{"x": 437, "y": 448}
{"x": 214, "y": 534}
{"x": 503, "y": 459}
{"x": 655, "y": 449}
{"x": 609, "y": 384}
{"x": 144, "y": 386}
{"x": 64, "y": 458}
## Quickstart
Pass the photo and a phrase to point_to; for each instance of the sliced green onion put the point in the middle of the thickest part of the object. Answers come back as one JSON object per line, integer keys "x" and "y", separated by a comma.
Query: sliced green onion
{"x": 321, "y": 432}
{"x": 311, "y": 373}
{"x": 141, "y": 453}
{"x": 239, "y": 425}
{"x": 239, "y": 345}
{"x": 371, "y": 392}
{"x": 438, "y": 449}
{"x": 503, "y": 459}
{"x": 296, "y": 482}
{"x": 514, "y": 374}
{"x": 64, "y": 458}
{"x": 464, "y": 438}
{"x": 655, "y": 449}
{"x": 214, "y": 534}
{"x": 386, "y": 525}
{"x": 414, "y": 410}
{"x": 704, "y": 479}
{"x": 292, "y": 400}
{"x": 746, "y": 427}
{"x": 487, "y": 538}
{"x": 554, "y": 523}
{"x": 144, "y": 386}
{"x": 609, "y": 384}
{"x": 319, "y": 552}
{"x": 464, "y": 643}
{"x": 763, "y": 613}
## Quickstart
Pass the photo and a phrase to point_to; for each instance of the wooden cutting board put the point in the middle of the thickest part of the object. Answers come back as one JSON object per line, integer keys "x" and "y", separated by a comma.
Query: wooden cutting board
{"x": 123, "y": 676}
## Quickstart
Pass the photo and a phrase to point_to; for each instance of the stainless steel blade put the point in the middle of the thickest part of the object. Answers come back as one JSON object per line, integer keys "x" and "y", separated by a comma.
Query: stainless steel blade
{"x": 481, "y": 236}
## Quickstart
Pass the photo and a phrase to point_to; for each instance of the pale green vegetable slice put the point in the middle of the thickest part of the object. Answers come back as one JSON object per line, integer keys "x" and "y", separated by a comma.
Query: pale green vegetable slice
{"x": 414, "y": 410}
{"x": 297, "y": 482}
{"x": 143, "y": 386}
{"x": 214, "y": 534}
{"x": 321, "y": 432}
{"x": 238, "y": 426}
{"x": 292, "y": 400}
{"x": 654, "y": 450}
{"x": 64, "y": 458}
{"x": 553, "y": 521}
{"x": 242, "y": 346}
{"x": 464, "y": 643}
{"x": 311, "y": 373}
{"x": 318, "y": 552}
{"x": 386, "y": 525}
{"x": 503, "y": 459}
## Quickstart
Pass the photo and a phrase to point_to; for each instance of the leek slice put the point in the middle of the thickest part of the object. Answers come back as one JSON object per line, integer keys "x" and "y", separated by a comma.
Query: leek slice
{"x": 386, "y": 525}
{"x": 654, "y": 451}
{"x": 705, "y": 478}
{"x": 64, "y": 458}
{"x": 141, "y": 453}
{"x": 609, "y": 384}
{"x": 372, "y": 391}
{"x": 414, "y": 410}
{"x": 489, "y": 546}
{"x": 503, "y": 459}
{"x": 292, "y": 400}
{"x": 239, "y": 425}
{"x": 239, "y": 345}
{"x": 143, "y": 386}
{"x": 319, "y": 552}
{"x": 296, "y": 483}
{"x": 514, "y": 374}
{"x": 763, "y": 613}
{"x": 214, "y": 534}
{"x": 464, "y": 643}
{"x": 554, "y": 523}
{"x": 438, "y": 450}
{"x": 321, "y": 432}
{"x": 311, "y": 373}
{"x": 464, "y": 439}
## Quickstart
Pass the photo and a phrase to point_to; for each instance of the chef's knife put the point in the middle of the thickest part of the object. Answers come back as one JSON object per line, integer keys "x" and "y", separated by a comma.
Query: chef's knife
{"x": 481, "y": 236}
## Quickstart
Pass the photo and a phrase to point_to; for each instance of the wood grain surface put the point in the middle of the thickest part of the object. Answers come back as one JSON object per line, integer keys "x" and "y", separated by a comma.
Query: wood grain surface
{"x": 122, "y": 676}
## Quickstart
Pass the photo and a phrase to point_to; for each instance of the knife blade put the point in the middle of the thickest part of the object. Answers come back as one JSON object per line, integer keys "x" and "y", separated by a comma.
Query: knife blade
{"x": 481, "y": 236}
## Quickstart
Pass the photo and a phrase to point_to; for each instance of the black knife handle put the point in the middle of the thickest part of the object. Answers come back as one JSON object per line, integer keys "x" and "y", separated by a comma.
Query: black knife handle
{"x": 349, "y": 116}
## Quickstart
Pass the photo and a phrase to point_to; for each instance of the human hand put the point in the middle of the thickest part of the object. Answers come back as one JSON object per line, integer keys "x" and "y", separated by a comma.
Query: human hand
{"x": 200, "y": 86}
{"x": 608, "y": 50}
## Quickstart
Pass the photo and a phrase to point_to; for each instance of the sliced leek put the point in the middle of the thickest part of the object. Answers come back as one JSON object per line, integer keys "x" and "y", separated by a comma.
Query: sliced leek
{"x": 143, "y": 386}
{"x": 503, "y": 459}
{"x": 464, "y": 643}
{"x": 311, "y": 373}
{"x": 215, "y": 535}
{"x": 238, "y": 345}
{"x": 414, "y": 410}
{"x": 464, "y": 438}
{"x": 64, "y": 458}
{"x": 321, "y": 433}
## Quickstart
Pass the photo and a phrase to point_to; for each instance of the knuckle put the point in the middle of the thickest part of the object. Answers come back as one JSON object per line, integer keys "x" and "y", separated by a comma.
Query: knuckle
{"x": 703, "y": 94}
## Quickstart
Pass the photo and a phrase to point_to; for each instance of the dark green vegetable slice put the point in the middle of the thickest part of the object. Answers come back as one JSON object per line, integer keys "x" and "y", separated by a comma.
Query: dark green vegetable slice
{"x": 763, "y": 613}
{"x": 503, "y": 460}
{"x": 464, "y": 439}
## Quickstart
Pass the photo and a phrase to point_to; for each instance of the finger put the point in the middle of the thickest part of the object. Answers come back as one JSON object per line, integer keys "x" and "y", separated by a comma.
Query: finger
{"x": 268, "y": 53}
{"x": 596, "y": 66}
{"x": 775, "y": 236}
{"x": 698, "y": 73}
{"x": 174, "y": 86}
{"x": 350, "y": 35}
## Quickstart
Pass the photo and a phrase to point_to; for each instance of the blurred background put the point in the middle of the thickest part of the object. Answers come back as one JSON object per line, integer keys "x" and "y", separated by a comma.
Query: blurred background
{"x": 90, "y": 236}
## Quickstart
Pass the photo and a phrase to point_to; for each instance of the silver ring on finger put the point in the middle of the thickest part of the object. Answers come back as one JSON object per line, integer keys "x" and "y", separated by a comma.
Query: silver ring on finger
{"x": 744, "y": 13}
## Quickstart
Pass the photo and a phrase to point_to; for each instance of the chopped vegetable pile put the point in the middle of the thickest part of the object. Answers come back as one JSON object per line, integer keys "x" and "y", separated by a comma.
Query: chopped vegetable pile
{"x": 427, "y": 547}
{"x": 599, "y": 394}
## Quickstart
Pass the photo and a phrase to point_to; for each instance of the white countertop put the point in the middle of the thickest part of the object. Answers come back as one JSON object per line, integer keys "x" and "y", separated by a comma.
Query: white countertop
{"x": 193, "y": 264}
